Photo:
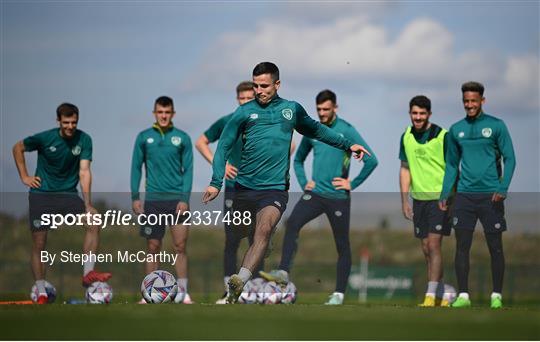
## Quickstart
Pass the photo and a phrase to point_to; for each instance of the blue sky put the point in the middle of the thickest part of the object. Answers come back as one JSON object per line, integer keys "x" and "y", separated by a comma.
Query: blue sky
{"x": 114, "y": 59}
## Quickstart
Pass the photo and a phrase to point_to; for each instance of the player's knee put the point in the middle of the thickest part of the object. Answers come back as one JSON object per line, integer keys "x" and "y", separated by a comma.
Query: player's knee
{"x": 434, "y": 247}
{"x": 180, "y": 247}
{"x": 153, "y": 246}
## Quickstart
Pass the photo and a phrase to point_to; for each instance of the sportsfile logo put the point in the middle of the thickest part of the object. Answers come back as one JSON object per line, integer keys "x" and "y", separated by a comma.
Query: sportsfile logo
{"x": 119, "y": 218}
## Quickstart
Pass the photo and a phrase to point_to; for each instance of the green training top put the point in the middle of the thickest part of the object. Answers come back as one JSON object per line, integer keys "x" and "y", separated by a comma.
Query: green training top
{"x": 426, "y": 162}
{"x": 59, "y": 158}
{"x": 330, "y": 162}
{"x": 475, "y": 148}
{"x": 266, "y": 132}
{"x": 168, "y": 159}
{"x": 214, "y": 132}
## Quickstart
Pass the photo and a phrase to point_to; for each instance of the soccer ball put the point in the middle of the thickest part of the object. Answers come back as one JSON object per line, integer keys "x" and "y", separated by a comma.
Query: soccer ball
{"x": 257, "y": 285}
{"x": 99, "y": 293}
{"x": 49, "y": 289}
{"x": 288, "y": 294}
{"x": 449, "y": 293}
{"x": 249, "y": 294}
{"x": 159, "y": 287}
{"x": 271, "y": 293}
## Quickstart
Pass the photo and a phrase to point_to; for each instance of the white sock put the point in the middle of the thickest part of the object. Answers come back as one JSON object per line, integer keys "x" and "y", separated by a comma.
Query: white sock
{"x": 244, "y": 274}
{"x": 464, "y": 295}
{"x": 40, "y": 284}
{"x": 496, "y": 295}
{"x": 432, "y": 288}
{"x": 182, "y": 283}
{"x": 225, "y": 282}
{"x": 88, "y": 266}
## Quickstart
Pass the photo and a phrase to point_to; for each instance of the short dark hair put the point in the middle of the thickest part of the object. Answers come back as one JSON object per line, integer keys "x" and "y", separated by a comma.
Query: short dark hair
{"x": 473, "y": 86}
{"x": 66, "y": 109}
{"x": 244, "y": 86}
{"x": 326, "y": 95}
{"x": 267, "y": 68}
{"x": 164, "y": 101}
{"x": 421, "y": 101}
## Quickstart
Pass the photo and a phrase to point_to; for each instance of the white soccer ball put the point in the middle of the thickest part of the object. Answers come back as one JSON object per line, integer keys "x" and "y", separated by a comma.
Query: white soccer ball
{"x": 257, "y": 286}
{"x": 159, "y": 287}
{"x": 450, "y": 293}
{"x": 99, "y": 293}
{"x": 288, "y": 294}
{"x": 249, "y": 293}
{"x": 271, "y": 293}
{"x": 49, "y": 289}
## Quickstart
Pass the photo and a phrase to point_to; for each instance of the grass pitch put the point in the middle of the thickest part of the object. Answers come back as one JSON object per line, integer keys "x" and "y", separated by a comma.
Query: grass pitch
{"x": 268, "y": 322}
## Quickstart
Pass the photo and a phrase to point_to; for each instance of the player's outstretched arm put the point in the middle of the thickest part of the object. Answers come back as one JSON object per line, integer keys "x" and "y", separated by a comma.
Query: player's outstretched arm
{"x": 452, "y": 158}
{"x": 20, "y": 162}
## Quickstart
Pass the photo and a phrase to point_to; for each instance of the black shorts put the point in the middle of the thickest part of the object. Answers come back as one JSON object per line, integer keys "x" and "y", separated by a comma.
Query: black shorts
{"x": 471, "y": 207}
{"x": 428, "y": 218}
{"x": 254, "y": 200}
{"x": 52, "y": 203}
{"x": 155, "y": 212}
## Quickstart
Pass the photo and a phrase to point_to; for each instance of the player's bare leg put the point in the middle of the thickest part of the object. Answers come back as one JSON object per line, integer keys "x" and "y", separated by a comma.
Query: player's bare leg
{"x": 431, "y": 246}
{"x": 90, "y": 245}
{"x": 266, "y": 220}
{"x": 153, "y": 246}
{"x": 39, "y": 240}
{"x": 180, "y": 235}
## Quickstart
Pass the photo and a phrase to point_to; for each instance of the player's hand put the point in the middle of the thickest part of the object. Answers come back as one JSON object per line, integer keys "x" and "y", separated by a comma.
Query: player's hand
{"x": 32, "y": 181}
{"x": 407, "y": 211}
{"x": 182, "y": 207}
{"x": 310, "y": 186}
{"x": 210, "y": 194}
{"x": 341, "y": 183}
{"x": 90, "y": 209}
{"x": 137, "y": 207}
{"x": 359, "y": 151}
{"x": 230, "y": 171}
{"x": 443, "y": 205}
{"x": 497, "y": 197}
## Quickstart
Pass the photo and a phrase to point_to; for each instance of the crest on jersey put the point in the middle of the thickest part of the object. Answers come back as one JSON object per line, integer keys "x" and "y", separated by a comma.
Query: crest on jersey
{"x": 287, "y": 113}
{"x": 486, "y": 132}
{"x": 52, "y": 149}
{"x": 176, "y": 141}
{"x": 150, "y": 140}
{"x": 254, "y": 116}
{"x": 76, "y": 150}
{"x": 461, "y": 134}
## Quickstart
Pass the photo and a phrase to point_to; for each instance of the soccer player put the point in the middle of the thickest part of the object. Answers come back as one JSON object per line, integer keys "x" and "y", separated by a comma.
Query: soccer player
{"x": 327, "y": 193}
{"x": 64, "y": 157}
{"x": 421, "y": 152}
{"x": 167, "y": 154}
{"x": 266, "y": 127}
{"x": 244, "y": 93}
{"x": 476, "y": 146}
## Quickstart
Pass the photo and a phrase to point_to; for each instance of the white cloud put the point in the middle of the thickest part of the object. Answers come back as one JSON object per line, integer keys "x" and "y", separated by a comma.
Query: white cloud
{"x": 349, "y": 49}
